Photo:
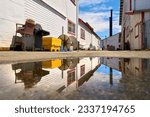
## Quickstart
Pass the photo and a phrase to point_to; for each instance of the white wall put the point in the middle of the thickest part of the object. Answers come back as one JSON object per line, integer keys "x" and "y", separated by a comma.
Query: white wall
{"x": 95, "y": 42}
{"x": 113, "y": 40}
{"x": 87, "y": 63}
{"x": 71, "y": 11}
{"x": 59, "y": 5}
{"x": 43, "y": 14}
{"x": 53, "y": 16}
{"x": 71, "y": 14}
{"x": 130, "y": 22}
{"x": 11, "y": 12}
{"x": 85, "y": 43}
{"x": 90, "y": 38}
{"x": 94, "y": 62}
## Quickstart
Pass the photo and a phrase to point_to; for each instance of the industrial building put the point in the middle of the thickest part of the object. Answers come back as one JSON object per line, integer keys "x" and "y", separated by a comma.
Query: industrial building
{"x": 111, "y": 43}
{"x": 135, "y": 22}
{"x": 87, "y": 37}
{"x": 58, "y": 17}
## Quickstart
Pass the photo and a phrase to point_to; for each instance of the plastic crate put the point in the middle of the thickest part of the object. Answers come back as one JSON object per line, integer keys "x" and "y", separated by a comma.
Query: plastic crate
{"x": 51, "y": 43}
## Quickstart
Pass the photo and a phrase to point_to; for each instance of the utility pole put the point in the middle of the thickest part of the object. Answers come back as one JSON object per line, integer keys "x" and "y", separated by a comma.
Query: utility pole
{"x": 111, "y": 33}
{"x": 111, "y": 23}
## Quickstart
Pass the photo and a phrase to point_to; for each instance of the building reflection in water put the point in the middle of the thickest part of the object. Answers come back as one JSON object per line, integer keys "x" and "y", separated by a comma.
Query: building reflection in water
{"x": 129, "y": 67}
{"x": 60, "y": 75}
{"x": 135, "y": 66}
{"x": 77, "y": 78}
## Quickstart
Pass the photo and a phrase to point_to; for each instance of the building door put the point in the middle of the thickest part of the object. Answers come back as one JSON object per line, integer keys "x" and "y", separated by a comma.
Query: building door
{"x": 147, "y": 34}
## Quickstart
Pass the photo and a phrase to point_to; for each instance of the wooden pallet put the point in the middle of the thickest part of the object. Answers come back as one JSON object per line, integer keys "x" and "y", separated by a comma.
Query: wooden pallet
{"x": 4, "y": 49}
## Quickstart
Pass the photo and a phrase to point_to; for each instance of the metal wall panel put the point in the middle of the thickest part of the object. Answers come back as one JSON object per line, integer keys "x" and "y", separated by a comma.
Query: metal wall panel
{"x": 11, "y": 12}
{"x": 140, "y": 5}
{"x": 43, "y": 14}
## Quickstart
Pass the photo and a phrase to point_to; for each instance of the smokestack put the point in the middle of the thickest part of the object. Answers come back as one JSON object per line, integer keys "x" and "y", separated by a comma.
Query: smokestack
{"x": 110, "y": 22}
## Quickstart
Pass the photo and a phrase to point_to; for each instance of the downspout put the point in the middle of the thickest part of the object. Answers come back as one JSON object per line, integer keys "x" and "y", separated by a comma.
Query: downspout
{"x": 142, "y": 30}
{"x": 77, "y": 21}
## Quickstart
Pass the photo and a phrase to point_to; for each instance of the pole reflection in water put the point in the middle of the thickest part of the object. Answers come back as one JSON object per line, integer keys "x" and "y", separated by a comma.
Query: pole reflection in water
{"x": 111, "y": 76}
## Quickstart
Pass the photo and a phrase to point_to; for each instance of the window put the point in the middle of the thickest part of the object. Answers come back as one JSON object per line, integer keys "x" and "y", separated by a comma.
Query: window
{"x": 71, "y": 27}
{"x": 136, "y": 30}
{"x": 71, "y": 77}
{"x": 82, "y": 70}
{"x": 73, "y": 1}
{"x": 82, "y": 33}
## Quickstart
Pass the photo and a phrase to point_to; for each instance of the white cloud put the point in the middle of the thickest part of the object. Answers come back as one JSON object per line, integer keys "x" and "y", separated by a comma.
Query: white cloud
{"x": 96, "y": 20}
{"x": 101, "y": 7}
{"x": 91, "y": 2}
{"x": 97, "y": 15}
{"x": 100, "y": 20}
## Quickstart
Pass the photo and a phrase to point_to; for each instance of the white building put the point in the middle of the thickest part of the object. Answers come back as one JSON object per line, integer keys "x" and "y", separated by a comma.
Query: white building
{"x": 135, "y": 22}
{"x": 56, "y": 16}
{"x": 111, "y": 43}
{"x": 87, "y": 37}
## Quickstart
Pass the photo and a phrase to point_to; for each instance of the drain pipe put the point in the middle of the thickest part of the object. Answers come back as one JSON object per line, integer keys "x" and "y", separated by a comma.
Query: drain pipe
{"x": 77, "y": 21}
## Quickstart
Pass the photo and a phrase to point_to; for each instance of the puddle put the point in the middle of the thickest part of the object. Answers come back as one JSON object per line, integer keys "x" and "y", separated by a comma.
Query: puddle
{"x": 77, "y": 78}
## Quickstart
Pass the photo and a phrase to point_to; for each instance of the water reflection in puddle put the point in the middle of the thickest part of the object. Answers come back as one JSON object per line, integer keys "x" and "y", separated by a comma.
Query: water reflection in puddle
{"x": 76, "y": 78}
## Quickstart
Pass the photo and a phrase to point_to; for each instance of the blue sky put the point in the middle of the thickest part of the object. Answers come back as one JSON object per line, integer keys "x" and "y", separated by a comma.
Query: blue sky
{"x": 105, "y": 69}
{"x": 97, "y": 13}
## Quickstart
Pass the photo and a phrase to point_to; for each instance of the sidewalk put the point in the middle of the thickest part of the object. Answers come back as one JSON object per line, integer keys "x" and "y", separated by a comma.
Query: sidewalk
{"x": 15, "y": 57}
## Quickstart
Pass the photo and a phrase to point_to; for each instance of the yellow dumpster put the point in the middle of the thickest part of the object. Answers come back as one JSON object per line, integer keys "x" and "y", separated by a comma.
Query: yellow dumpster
{"x": 51, "y": 44}
{"x": 51, "y": 64}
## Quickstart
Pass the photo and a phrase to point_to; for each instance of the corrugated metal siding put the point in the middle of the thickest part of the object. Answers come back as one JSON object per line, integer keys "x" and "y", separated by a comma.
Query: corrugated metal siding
{"x": 43, "y": 14}
{"x": 11, "y": 12}
{"x": 71, "y": 11}
{"x": 59, "y": 5}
